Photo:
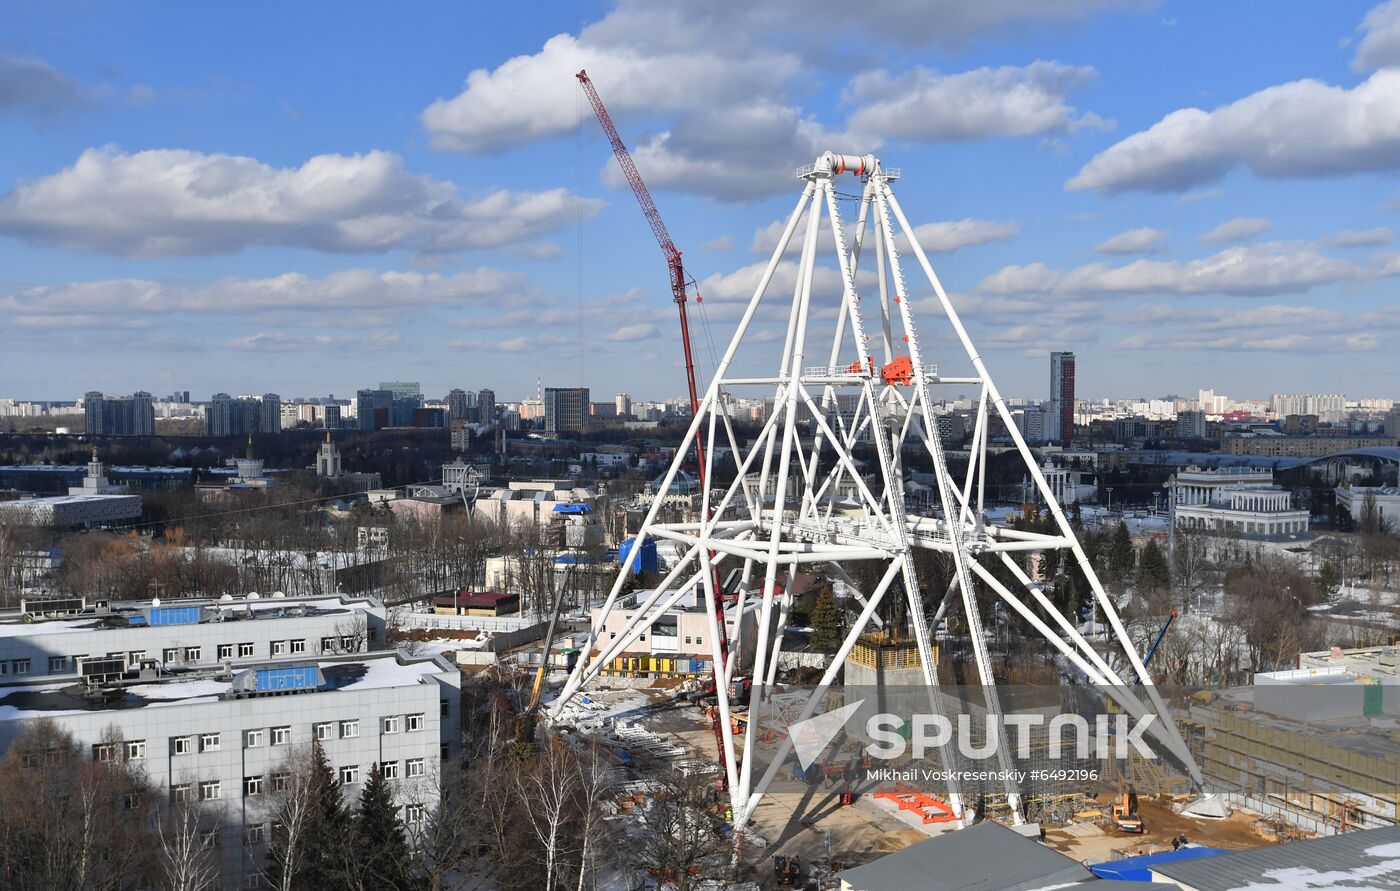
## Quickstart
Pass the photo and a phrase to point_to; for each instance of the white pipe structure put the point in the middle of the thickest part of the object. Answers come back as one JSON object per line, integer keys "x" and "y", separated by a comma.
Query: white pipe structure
{"x": 799, "y": 497}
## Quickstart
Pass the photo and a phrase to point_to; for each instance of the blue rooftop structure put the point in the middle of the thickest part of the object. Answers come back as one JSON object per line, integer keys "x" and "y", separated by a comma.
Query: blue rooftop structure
{"x": 1139, "y": 869}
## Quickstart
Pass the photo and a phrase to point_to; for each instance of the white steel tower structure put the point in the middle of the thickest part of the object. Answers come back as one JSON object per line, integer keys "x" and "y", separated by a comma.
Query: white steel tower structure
{"x": 780, "y": 510}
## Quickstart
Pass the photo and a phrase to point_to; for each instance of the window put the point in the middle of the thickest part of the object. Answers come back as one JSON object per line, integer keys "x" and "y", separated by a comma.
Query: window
{"x": 58, "y": 664}
{"x": 209, "y": 838}
{"x": 325, "y": 731}
{"x": 104, "y": 752}
{"x": 415, "y": 722}
{"x": 390, "y": 769}
{"x": 279, "y": 648}
{"x": 393, "y": 724}
{"x": 298, "y": 647}
{"x": 252, "y": 785}
{"x": 225, "y": 651}
{"x": 134, "y": 657}
{"x": 180, "y": 792}
{"x": 192, "y": 654}
{"x": 328, "y": 644}
{"x": 245, "y": 650}
{"x": 170, "y": 654}
{"x": 414, "y": 814}
{"x": 687, "y": 638}
{"x": 132, "y": 800}
{"x": 253, "y": 880}
{"x": 347, "y": 644}
{"x": 255, "y": 833}
{"x": 349, "y": 729}
{"x": 253, "y": 739}
{"x": 181, "y": 745}
{"x": 19, "y": 666}
{"x": 280, "y": 781}
{"x": 281, "y": 736}
{"x": 414, "y": 767}
{"x": 444, "y": 707}
{"x": 209, "y": 742}
{"x": 349, "y": 775}
{"x": 135, "y": 749}
{"x": 211, "y": 790}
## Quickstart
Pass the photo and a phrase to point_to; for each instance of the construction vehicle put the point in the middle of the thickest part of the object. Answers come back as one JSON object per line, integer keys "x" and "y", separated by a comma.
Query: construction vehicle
{"x": 525, "y": 729}
{"x": 679, "y": 286}
{"x": 1125, "y": 812}
{"x": 787, "y": 870}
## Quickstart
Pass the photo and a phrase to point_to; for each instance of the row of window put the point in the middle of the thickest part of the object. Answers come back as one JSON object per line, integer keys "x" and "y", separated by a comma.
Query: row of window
{"x": 612, "y": 635}
{"x": 190, "y": 654}
{"x": 324, "y": 731}
{"x": 253, "y": 786}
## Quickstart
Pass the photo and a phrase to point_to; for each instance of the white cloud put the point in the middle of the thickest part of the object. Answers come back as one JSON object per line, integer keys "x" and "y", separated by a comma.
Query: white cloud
{"x": 936, "y": 238}
{"x": 1235, "y": 229}
{"x": 339, "y": 291}
{"x": 1145, "y": 240}
{"x": 928, "y": 106}
{"x": 631, "y": 333}
{"x": 277, "y": 342}
{"x": 34, "y": 85}
{"x": 528, "y": 343}
{"x": 723, "y": 242}
{"x": 1272, "y": 327}
{"x": 951, "y": 235}
{"x": 1296, "y": 130}
{"x": 171, "y": 202}
{"x": 1360, "y": 238}
{"x": 1380, "y": 43}
{"x": 534, "y": 96}
{"x": 1252, "y": 270}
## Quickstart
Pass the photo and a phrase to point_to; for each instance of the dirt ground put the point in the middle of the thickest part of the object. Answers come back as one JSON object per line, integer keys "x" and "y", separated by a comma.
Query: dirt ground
{"x": 1162, "y": 825}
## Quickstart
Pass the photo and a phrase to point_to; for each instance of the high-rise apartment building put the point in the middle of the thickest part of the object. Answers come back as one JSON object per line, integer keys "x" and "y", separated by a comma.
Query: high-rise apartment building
{"x": 226, "y": 416}
{"x": 623, "y": 403}
{"x": 1061, "y": 426}
{"x": 1191, "y": 425}
{"x": 133, "y": 415}
{"x": 486, "y": 408}
{"x": 565, "y": 409}
{"x": 458, "y": 405}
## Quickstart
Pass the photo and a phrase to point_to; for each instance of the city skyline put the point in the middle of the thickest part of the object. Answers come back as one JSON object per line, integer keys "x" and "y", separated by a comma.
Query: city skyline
{"x": 288, "y": 229}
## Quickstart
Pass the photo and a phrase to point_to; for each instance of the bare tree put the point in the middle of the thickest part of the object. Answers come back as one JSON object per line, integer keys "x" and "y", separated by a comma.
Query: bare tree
{"x": 187, "y": 863}
{"x": 551, "y": 788}
{"x": 679, "y": 842}
{"x": 295, "y": 796}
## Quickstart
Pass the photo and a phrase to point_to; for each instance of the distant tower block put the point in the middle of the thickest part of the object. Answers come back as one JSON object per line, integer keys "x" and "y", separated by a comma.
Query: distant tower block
{"x": 852, "y": 370}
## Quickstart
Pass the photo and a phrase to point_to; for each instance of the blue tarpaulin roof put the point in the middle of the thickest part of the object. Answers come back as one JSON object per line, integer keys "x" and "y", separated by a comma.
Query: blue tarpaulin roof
{"x": 1139, "y": 869}
{"x": 571, "y": 508}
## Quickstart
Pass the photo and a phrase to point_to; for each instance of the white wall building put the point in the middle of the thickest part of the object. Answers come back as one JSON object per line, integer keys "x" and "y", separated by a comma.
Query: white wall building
{"x": 1236, "y": 502}
{"x": 224, "y": 741}
{"x": 1387, "y": 499}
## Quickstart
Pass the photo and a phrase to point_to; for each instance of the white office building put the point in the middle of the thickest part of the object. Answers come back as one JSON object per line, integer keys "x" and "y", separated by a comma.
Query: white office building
{"x": 54, "y": 637}
{"x": 223, "y": 739}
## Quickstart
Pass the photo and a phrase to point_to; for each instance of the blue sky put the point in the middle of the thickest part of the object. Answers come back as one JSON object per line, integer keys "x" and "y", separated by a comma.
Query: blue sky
{"x": 252, "y": 198}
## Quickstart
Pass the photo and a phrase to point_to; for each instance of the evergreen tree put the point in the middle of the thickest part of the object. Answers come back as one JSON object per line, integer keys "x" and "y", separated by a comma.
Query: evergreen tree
{"x": 315, "y": 854}
{"x": 825, "y": 623}
{"x": 381, "y": 851}
{"x": 1153, "y": 573}
{"x": 1120, "y": 552}
{"x": 329, "y": 831}
{"x": 1328, "y": 582}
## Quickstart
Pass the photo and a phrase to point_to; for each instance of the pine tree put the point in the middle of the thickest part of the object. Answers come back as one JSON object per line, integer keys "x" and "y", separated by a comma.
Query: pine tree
{"x": 1153, "y": 573}
{"x": 1120, "y": 552}
{"x": 381, "y": 851}
{"x": 825, "y": 623}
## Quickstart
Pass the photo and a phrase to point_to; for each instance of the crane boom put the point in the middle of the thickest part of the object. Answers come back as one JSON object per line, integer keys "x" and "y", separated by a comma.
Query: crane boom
{"x": 676, "y": 271}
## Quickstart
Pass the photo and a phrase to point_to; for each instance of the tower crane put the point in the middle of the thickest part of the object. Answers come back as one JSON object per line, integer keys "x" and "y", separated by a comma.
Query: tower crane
{"x": 676, "y": 270}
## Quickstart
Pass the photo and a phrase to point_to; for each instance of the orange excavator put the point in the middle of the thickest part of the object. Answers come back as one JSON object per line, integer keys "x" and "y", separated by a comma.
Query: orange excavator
{"x": 1125, "y": 812}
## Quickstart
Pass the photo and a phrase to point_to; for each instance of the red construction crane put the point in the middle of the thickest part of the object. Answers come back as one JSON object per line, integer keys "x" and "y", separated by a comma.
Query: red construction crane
{"x": 678, "y": 289}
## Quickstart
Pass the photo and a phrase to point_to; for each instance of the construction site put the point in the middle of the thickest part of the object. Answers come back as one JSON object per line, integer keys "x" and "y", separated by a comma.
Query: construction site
{"x": 788, "y": 744}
